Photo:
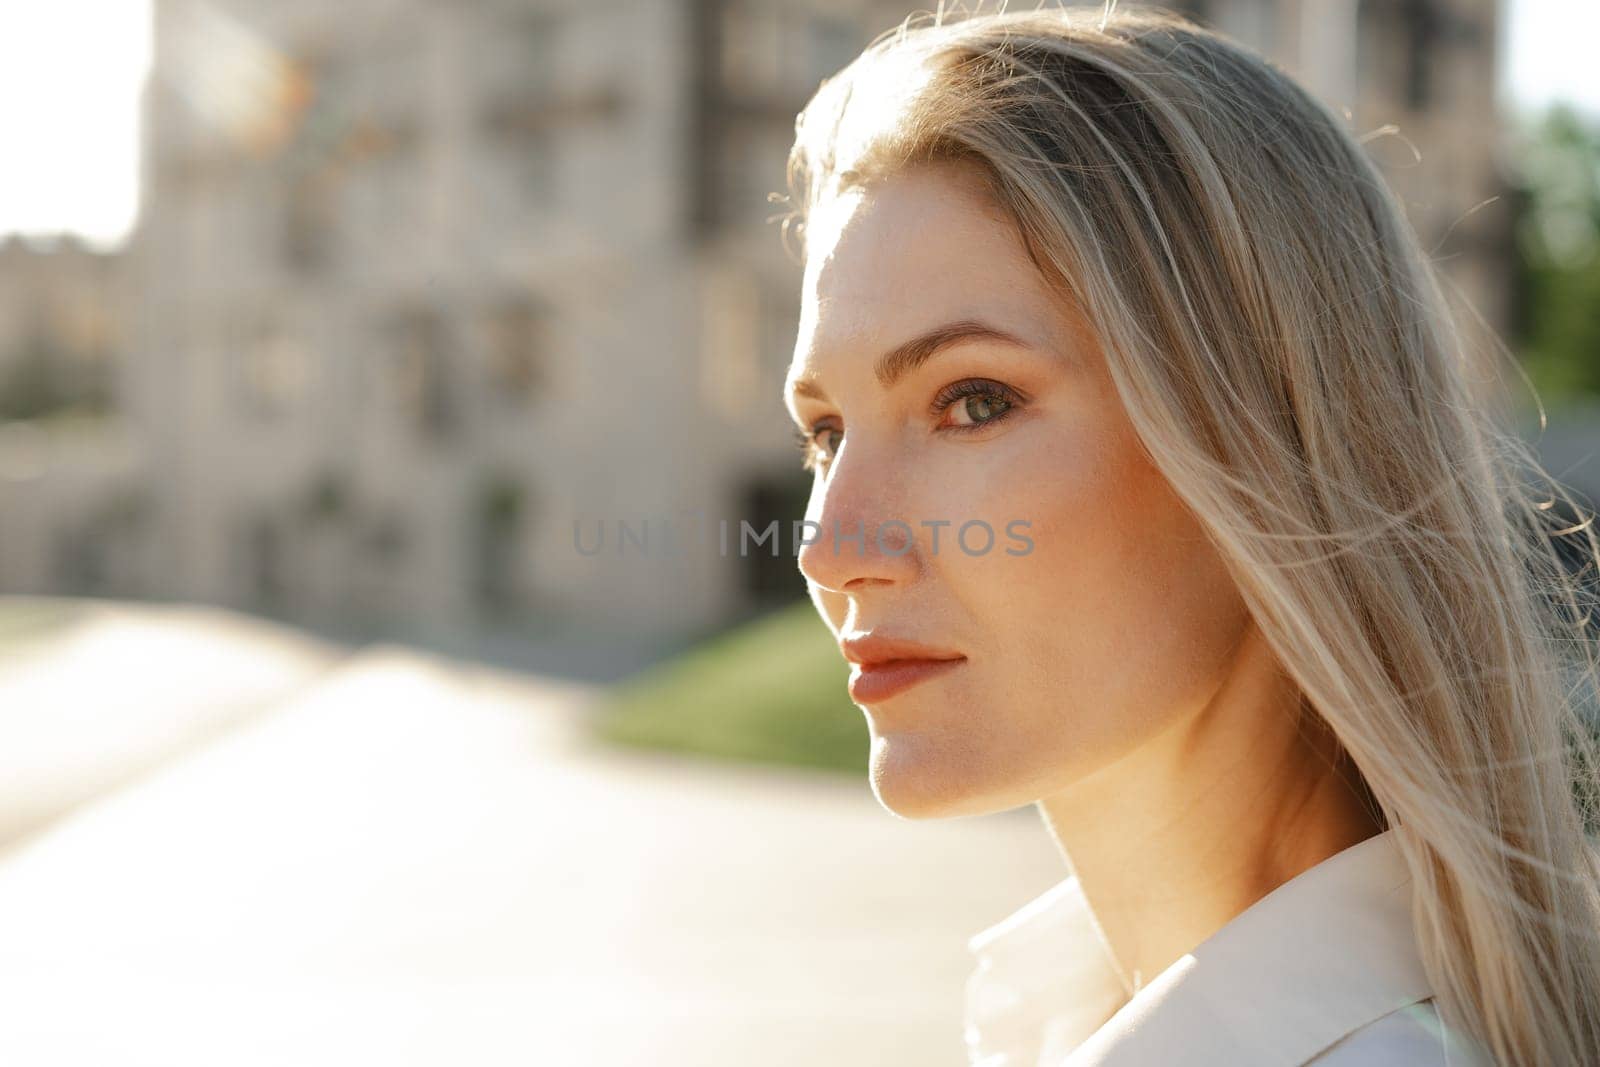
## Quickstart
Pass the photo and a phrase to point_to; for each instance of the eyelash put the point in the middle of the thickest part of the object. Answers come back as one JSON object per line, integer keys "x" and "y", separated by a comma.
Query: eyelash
{"x": 945, "y": 399}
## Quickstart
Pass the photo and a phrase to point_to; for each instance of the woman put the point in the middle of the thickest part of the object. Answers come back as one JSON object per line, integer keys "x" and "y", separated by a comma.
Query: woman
{"x": 1280, "y": 648}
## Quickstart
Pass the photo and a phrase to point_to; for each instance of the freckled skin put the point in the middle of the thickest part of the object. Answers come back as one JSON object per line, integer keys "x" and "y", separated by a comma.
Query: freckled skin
{"x": 1120, "y": 621}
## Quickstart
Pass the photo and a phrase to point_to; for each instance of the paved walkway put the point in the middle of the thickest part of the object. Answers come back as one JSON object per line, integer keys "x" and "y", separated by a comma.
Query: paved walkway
{"x": 408, "y": 861}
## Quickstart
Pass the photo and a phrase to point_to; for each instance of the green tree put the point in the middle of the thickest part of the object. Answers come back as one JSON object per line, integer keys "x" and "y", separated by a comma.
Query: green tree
{"x": 1556, "y": 322}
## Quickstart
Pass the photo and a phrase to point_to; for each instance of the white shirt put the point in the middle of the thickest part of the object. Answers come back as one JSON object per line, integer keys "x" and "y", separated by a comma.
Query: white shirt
{"x": 1323, "y": 970}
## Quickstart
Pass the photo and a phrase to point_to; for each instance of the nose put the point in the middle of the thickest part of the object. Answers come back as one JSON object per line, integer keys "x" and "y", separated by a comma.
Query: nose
{"x": 854, "y": 534}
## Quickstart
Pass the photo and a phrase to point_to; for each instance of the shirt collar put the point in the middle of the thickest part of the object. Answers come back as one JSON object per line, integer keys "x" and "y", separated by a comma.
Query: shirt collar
{"x": 1327, "y": 952}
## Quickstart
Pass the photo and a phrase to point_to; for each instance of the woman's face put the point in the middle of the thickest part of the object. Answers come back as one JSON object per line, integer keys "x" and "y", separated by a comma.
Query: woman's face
{"x": 1098, "y": 614}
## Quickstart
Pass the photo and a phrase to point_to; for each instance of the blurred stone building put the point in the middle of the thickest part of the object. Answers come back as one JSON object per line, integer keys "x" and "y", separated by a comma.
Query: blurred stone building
{"x": 1417, "y": 80}
{"x": 418, "y": 286}
{"x": 423, "y": 285}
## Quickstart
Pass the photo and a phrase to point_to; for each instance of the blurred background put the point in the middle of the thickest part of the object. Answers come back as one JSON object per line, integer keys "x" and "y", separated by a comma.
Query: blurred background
{"x": 329, "y": 334}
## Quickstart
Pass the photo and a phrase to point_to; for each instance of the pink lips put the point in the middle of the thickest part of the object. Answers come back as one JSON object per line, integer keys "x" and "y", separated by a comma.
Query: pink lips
{"x": 880, "y": 681}
{"x": 885, "y": 666}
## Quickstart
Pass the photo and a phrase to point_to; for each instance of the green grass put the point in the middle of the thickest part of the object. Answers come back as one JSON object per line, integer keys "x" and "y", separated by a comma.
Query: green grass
{"x": 769, "y": 691}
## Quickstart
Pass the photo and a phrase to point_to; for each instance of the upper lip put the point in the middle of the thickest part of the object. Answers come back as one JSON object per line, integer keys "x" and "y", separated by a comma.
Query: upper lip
{"x": 870, "y": 649}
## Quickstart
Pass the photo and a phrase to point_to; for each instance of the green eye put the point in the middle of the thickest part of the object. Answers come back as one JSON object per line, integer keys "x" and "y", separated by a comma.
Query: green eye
{"x": 981, "y": 409}
{"x": 814, "y": 455}
{"x": 982, "y": 402}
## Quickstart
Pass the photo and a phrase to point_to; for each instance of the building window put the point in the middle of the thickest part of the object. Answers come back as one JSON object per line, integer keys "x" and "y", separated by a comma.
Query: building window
{"x": 1423, "y": 27}
{"x": 265, "y": 564}
{"x": 512, "y": 335}
{"x": 272, "y": 366}
{"x": 309, "y": 161}
{"x": 730, "y": 339}
{"x": 417, "y": 370}
{"x": 384, "y": 538}
{"x": 751, "y": 161}
{"x": 779, "y": 51}
{"x": 748, "y": 328}
{"x": 382, "y": 205}
{"x": 498, "y": 520}
{"x": 78, "y": 560}
{"x": 780, "y": 323}
{"x": 518, "y": 67}
{"x": 308, "y": 222}
{"x": 752, "y": 47}
{"x": 325, "y": 499}
{"x": 378, "y": 577}
{"x": 754, "y": 64}
{"x": 517, "y": 54}
{"x": 768, "y": 579}
{"x": 832, "y": 42}
{"x": 525, "y": 170}
{"x": 1415, "y": 37}
{"x": 351, "y": 162}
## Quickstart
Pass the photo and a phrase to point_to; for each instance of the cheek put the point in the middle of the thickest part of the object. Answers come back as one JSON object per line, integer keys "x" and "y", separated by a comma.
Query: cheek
{"x": 1122, "y": 603}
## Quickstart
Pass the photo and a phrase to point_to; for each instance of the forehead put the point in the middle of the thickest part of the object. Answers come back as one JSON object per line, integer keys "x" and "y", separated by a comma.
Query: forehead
{"x": 920, "y": 247}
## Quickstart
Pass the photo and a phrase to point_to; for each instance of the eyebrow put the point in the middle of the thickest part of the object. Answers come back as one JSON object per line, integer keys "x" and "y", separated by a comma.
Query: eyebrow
{"x": 908, "y": 356}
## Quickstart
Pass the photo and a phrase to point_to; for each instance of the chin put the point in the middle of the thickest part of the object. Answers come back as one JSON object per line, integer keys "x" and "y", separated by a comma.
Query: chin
{"x": 912, "y": 782}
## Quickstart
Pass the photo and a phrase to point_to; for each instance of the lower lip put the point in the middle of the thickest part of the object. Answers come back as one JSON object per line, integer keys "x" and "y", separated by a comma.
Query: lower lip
{"x": 884, "y": 680}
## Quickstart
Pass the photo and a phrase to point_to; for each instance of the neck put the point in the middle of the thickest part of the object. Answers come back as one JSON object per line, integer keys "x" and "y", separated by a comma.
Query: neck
{"x": 1175, "y": 839}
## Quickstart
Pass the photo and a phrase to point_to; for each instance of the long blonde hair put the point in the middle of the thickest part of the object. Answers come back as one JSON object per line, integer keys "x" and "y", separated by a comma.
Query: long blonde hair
{"x": 1290, "y": 360}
